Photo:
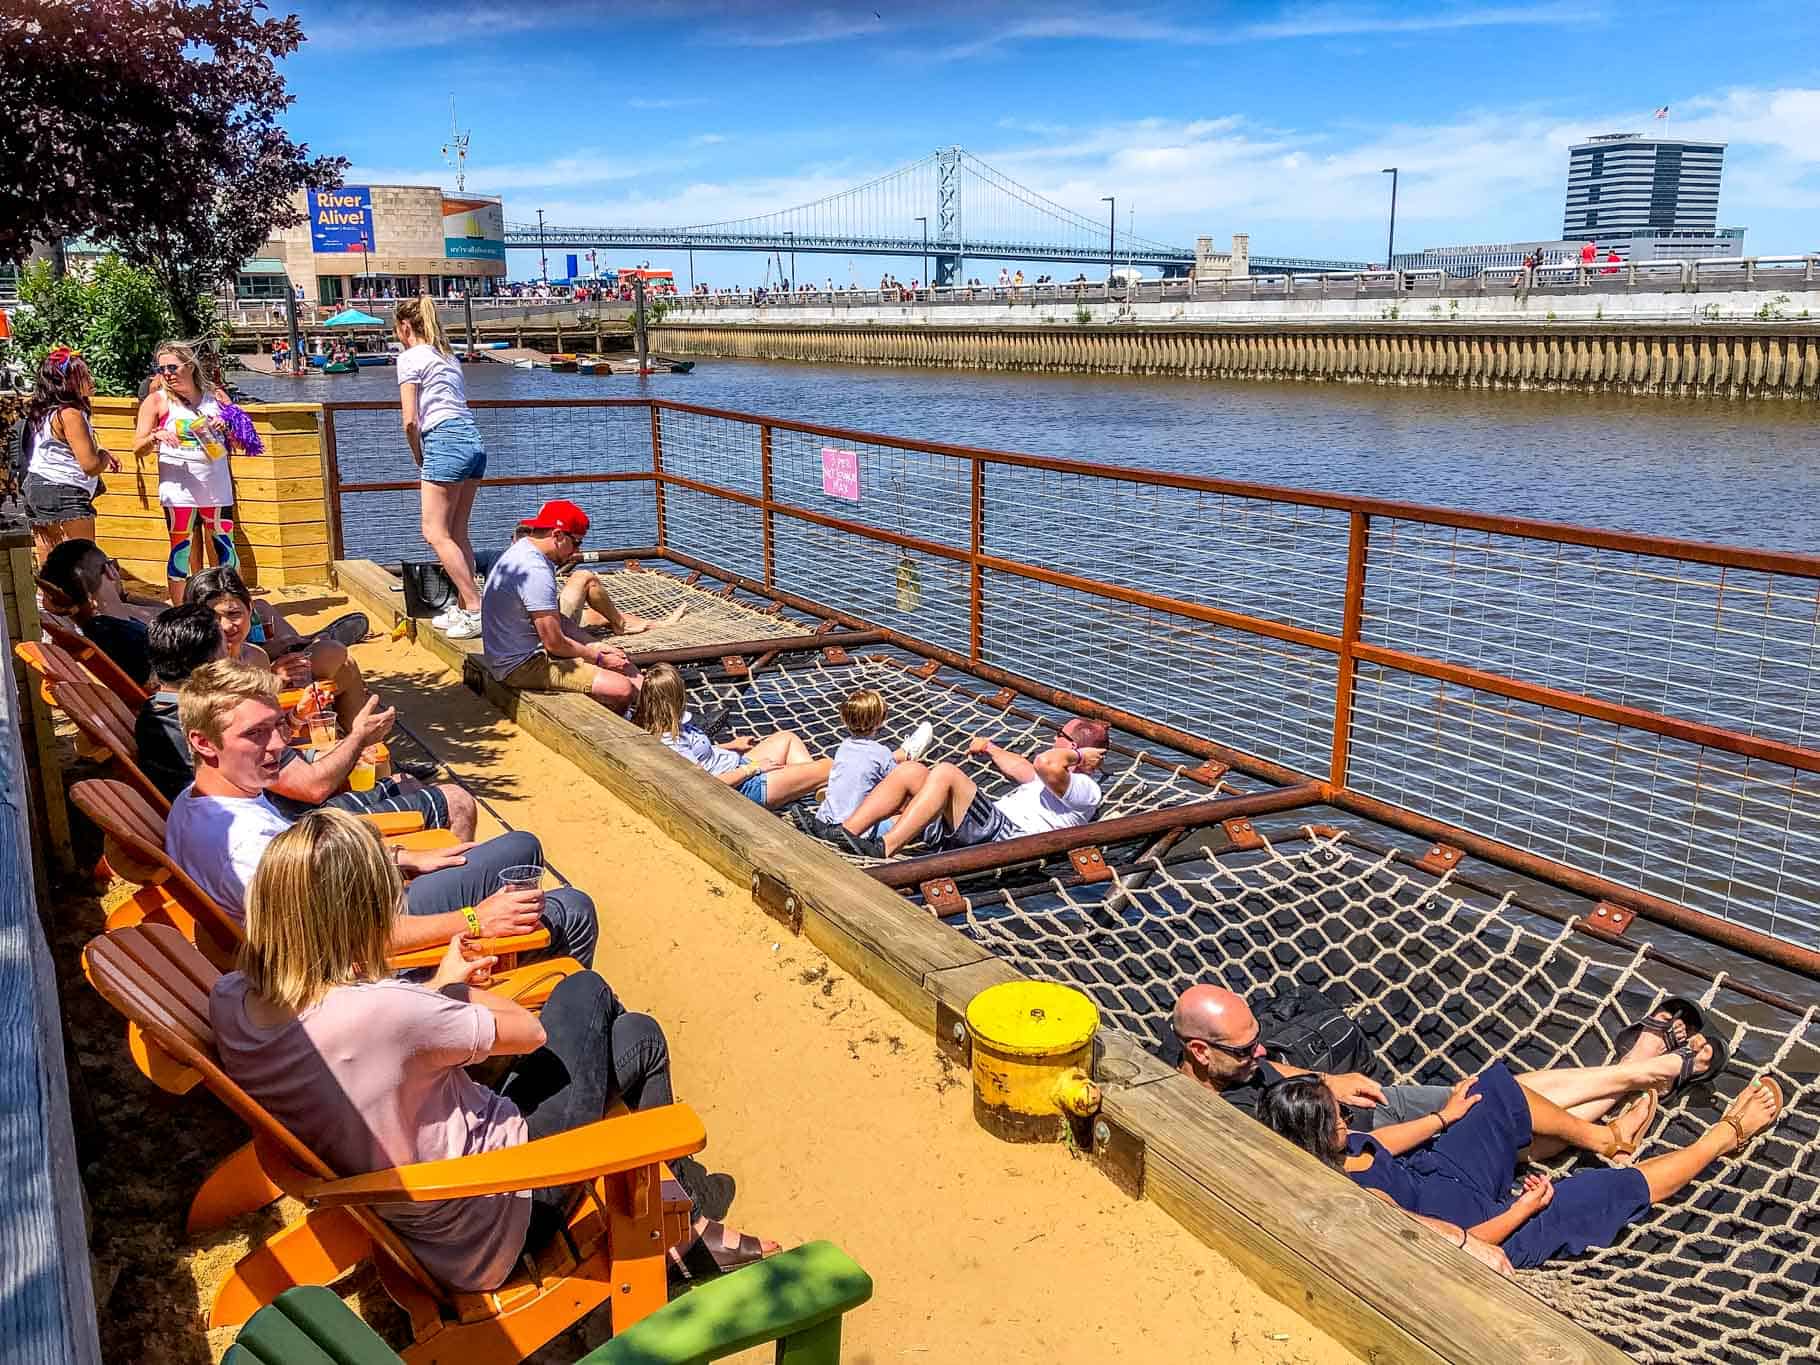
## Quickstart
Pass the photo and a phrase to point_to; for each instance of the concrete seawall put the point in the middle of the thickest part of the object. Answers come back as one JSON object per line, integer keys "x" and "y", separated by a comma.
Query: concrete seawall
{"x": 1747, "y": 359}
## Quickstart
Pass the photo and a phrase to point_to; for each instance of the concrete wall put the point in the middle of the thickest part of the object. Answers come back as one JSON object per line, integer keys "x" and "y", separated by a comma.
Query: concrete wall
{"x": 1762, "y": 361}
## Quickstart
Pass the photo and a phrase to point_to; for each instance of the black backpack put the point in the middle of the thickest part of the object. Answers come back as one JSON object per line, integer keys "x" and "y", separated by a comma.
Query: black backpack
{"x": 1303, "y": 1027}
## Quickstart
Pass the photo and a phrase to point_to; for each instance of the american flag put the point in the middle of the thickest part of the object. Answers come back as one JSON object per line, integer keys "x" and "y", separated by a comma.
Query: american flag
{"x": 1662, "y": 112}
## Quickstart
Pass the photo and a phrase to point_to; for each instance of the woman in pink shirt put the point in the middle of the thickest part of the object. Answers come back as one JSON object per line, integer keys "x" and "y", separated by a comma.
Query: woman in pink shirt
{"x": 369, "y": 1070}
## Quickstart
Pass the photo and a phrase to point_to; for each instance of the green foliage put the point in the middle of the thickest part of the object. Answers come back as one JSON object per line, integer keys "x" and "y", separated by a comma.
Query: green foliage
{"x": 114, "y": 316}
{"x": 1082, "y": 314}
{"x": 1774, "y": 310}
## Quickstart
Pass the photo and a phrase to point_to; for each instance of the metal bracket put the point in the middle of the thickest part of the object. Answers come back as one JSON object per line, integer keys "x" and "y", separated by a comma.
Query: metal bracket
{"x": 928, "y": 670}
{"x": 1327, "y": 831}
{"x": 735, "y": 665}
{"x": 777, "y": 900}
{"x": 1209, "y": 773}
{"x": 775, "y": 609}
{"x": 1002, "y": 698}
{"x": 1440, "y": 860}
{"x": 1090, "y": 864}
{"x": 729, "y": 590}
{"x": 951, "y": 1037}
{"x": 693, "y": 578}
{"x": 825, "y": 628}
{"x": 1243, "y": 836}
{"x": 629, "y": 564}
{"x": 1115, "y": 1150}
{"x": 1607, "y": 920}
{"x": 834, "y": 654}
{"x": 944, "y": 898}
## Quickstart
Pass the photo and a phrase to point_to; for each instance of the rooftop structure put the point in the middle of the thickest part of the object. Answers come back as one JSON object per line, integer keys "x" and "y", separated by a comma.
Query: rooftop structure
{"x": 1622, "y": 182}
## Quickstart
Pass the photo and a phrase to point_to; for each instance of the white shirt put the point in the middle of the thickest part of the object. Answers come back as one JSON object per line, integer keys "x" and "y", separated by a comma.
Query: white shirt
{"x": 1033, "y": 808}
{"x": 440, "y": 393}
{"x": 192, "y": 471}
{"x": 219, "y": 840}
{"x": 53, "y": 460}
{"x": 693, "y": 744}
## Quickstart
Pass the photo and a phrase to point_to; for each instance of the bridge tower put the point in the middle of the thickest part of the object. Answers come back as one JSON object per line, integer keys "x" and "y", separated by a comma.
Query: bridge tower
{"x": 950, "y": 248}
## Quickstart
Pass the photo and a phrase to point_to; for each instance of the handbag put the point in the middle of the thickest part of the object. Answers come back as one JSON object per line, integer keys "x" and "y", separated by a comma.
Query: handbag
{"x": 427, "y": 589}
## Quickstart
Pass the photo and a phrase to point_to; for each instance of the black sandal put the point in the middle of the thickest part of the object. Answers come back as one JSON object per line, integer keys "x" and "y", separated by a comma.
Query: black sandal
{"x": 1680, "y": 1010}
{"x": 1714, "y": 1065}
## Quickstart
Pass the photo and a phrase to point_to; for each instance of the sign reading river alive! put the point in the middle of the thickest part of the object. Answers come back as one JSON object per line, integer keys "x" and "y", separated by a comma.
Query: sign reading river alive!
{"x": 342, "y": 220}
{"x": 474, "y": 230}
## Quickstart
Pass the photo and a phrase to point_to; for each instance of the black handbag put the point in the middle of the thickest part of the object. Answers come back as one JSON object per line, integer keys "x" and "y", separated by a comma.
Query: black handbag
{"x": 427, "y": 589}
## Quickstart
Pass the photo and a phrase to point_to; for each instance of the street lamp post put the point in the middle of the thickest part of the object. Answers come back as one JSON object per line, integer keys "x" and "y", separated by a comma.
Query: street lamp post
{"x": 543, "y": 259}
{"x": 1390, "y": 251}
{"x": 924, "y": 220}
{"x": 1112, "y": 230}
{"x": 792, "y": 237}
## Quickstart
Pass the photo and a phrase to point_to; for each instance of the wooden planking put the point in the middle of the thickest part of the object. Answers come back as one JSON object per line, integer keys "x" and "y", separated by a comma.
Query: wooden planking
{"x": 1364, "y": 1272}
{"x": 47, "y": 1302}
{"x": 36, "y": 723}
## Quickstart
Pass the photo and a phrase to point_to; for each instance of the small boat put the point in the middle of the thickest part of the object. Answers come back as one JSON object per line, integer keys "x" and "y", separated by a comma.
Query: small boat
{"x": 565, "y": 362}
{"x": 339, "y": 367}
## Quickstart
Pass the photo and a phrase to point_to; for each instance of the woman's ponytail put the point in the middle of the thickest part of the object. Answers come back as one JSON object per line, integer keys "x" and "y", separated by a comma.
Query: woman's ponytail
{"x": 420, "y": 312}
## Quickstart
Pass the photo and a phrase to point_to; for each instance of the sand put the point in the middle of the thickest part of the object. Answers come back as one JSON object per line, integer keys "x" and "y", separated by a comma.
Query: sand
{"x": 836, "y": 1116}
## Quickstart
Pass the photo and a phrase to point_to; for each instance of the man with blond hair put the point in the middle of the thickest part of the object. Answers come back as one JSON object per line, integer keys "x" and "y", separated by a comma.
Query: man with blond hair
{"x": 220, "y": 825}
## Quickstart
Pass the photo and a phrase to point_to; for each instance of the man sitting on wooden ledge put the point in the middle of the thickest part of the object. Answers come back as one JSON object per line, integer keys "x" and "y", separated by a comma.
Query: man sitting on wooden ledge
{"x": 946, "y": 809}
{"x": 530, "y": 641}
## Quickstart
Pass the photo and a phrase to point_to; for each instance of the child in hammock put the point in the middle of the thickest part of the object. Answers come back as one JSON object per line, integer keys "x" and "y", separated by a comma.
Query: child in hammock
{"x": 773, "y": 771}
{"x": 861, "y": 762}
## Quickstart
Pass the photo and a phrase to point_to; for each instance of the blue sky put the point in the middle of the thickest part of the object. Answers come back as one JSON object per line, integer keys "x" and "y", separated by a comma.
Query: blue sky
{"x": 1262, "y": 118}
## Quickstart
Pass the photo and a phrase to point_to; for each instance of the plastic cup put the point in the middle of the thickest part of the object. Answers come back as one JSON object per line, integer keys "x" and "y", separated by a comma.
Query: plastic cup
{"x": 524, "y": 877}
{"x": 363, "y": 774}
{"x": 325, "y": 731}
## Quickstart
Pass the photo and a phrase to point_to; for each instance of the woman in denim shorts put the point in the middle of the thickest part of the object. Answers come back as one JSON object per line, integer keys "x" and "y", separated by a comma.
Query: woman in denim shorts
{"x": 447, "y": 447}
{"x": 63, "y": 474}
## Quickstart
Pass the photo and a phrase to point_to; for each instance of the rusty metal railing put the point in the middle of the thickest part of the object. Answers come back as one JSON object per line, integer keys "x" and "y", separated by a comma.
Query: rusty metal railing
{"x": 1631, "y": 717}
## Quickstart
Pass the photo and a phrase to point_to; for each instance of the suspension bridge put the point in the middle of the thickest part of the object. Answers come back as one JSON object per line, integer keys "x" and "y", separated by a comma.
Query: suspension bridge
{"x": 948, "y": 206}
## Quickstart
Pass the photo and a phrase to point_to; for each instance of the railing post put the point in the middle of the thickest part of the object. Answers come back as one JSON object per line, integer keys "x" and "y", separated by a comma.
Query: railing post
{"x": 977, "y": 518}
{"x": 764, "y": 475}
{"x": 657, "y": 475}
{"x": 1351, "y": 621}
{"x": 331, "y": 484}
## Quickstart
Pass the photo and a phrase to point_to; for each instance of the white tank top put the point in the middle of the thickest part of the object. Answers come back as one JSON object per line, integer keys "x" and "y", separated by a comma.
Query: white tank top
{"x": 189, "y": 473}
{"x": 54, "y": 461}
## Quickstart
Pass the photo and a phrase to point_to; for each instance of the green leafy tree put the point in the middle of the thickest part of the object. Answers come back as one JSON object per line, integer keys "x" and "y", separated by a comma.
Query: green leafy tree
{"x": 115, "y": 315}
{"x": 153, "y": 124}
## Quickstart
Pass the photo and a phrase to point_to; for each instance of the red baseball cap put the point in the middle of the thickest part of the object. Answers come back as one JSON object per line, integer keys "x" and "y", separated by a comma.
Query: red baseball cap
{"x": 559, "y": 515}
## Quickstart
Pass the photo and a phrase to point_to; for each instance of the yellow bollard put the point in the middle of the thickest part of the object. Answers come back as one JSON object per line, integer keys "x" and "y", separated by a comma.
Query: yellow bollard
{"x": 1032, "y": 1042}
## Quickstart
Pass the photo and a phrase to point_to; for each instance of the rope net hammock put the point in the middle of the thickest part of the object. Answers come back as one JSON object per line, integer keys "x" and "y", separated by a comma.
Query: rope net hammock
{"x": 1444, "y": 980}
{"x": 707, "y": 617}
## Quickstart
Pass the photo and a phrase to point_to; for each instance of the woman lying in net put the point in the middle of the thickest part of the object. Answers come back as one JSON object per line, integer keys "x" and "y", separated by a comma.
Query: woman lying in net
{"x": 368, "y": 1070}
{"x": 1453, "y": 1170}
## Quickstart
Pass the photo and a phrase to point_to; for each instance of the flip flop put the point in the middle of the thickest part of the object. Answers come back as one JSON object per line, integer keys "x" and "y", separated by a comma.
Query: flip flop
{"x": 1715, "y": 1064}
{"x": 1622, "y": 1151}
{"x": 347, "y": 630}
{"x": 1679, "y": 1010}
{"x": 1769, "y": 1084}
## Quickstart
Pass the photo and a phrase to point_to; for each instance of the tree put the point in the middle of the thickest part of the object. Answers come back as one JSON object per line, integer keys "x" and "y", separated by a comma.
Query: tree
{"x": 153, "y": 124}
{"x": 115, "y": 315}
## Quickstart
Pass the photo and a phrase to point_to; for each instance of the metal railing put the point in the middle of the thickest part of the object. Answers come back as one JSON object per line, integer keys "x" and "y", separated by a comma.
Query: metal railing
{"x": 1627, "y": 716}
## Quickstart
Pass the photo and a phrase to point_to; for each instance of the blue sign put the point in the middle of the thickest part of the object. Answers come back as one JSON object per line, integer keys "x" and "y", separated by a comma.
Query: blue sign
{"x": 574, "y": 265}
{"x": 342, "y": 220}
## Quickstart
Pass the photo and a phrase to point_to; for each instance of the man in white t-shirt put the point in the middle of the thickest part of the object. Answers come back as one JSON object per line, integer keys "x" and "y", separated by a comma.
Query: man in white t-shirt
{"x": 530, "y": 642}
{"x": 946, "y": 809}
{"x": 220, "y": 825}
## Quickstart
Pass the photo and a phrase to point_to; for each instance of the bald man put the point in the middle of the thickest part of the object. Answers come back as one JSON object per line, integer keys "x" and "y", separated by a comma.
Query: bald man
{"x": 1223, "y": 1048}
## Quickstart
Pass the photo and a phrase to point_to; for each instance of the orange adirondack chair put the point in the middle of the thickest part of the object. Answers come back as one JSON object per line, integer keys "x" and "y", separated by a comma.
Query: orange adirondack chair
{"x": 168, "y": 898}
{"x": 620, "y": 1233}
{"x": 65, "y": 635}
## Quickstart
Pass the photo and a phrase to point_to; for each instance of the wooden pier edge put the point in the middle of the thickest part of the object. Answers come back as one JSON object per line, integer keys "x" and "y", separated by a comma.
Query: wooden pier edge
{"x": 1360, "y": 1270}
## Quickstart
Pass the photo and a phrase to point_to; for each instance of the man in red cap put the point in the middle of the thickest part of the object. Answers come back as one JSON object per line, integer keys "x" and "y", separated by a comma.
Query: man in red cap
{"x": 528, "y": 640}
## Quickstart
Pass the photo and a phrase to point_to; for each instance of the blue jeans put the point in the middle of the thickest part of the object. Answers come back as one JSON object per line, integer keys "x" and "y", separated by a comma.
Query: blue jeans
{"x": 452, "y": 452}
{"x": 567, "y": 913}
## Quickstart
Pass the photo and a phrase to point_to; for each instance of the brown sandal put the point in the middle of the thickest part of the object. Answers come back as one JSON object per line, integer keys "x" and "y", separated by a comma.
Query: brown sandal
{"x": 1769, "y": 1084}
{"x": 1622, "y": 1151}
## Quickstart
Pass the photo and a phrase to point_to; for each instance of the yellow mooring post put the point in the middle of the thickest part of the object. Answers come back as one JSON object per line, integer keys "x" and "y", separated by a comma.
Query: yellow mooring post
{"x": 1032, "y": 1042}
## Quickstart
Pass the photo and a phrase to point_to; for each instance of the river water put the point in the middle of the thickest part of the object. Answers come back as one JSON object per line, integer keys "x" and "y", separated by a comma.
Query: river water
{"x": 1743, "y": 472}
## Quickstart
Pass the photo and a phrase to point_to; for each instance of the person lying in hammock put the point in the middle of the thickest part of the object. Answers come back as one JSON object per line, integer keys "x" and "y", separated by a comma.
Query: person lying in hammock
{"x": 945, "y": 808}
{"x": 1453, "y": 1170}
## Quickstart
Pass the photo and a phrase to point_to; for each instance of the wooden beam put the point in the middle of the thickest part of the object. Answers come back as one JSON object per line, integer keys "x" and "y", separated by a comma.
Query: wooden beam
{"x": 53, "y": 801}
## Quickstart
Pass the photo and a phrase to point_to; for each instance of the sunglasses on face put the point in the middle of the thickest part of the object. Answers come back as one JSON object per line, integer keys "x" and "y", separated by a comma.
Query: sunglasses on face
{"x": 169, "y": 369}
{"x": 1243, "y": 1051}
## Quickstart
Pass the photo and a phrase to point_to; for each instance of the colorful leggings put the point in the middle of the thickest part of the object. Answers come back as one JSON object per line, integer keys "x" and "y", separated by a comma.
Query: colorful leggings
{"x": 217, "y": 524}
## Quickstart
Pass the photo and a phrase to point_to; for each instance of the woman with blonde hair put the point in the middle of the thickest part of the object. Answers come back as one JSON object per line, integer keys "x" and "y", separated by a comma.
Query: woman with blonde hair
{"x": 446, "y": 445}
{"x": 369, "y": 1069}
{"x": 182, "y": 418}
{"x": 773, "y": 771}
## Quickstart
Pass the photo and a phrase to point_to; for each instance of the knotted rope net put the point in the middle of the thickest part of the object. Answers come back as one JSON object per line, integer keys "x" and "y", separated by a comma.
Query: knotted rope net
{"x": 1444, "y": 980}
{"x": 707, "y": 617}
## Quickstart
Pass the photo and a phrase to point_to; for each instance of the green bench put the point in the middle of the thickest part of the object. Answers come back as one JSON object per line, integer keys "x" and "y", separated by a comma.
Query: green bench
{"x": 796, "y": 1298}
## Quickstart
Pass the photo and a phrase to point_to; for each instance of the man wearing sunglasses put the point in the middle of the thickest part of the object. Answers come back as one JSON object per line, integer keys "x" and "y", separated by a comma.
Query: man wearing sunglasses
{"x": 1224, "y": 1049}
{"x": 529, "y": 642}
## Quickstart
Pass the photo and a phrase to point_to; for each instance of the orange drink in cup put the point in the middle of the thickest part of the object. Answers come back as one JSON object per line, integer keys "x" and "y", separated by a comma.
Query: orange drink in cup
{"x": 363, "y": 773}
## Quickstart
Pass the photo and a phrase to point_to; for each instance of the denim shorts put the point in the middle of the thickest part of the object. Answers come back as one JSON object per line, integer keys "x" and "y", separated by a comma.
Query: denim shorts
{"x": 48, "y": 503}
{"x": 755, "y": 788}
{"x": 452, "y": 452}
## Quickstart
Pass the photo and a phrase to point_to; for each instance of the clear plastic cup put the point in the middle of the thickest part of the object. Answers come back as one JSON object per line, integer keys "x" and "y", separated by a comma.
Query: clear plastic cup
{"x": 524, "y": 877}
{"x": 325, "y": 730}
{"x": 364, "y": 773}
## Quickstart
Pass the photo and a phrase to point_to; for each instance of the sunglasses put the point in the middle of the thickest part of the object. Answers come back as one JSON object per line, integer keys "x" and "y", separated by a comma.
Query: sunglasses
{"x": 1243, "y": 1051}
{"x": 168, "y": 369}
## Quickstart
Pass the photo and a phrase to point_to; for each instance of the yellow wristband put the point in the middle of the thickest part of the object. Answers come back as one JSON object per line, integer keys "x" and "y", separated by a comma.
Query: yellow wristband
{"x": 472, "y": 916}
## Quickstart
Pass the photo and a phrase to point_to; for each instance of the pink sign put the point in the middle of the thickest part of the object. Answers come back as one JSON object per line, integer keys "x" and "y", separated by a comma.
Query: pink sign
{"x": 840, "y": 474}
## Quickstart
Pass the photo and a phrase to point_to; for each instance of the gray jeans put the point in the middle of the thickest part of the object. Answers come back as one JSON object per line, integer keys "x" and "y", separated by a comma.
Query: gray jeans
{"x": 1401, "y": 1104}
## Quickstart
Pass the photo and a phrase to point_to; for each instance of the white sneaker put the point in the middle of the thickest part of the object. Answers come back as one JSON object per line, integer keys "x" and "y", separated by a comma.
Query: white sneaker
{"x": 918, "y": 743}
{"x": 445, "y": 618}
{"x": 465, "y": 626}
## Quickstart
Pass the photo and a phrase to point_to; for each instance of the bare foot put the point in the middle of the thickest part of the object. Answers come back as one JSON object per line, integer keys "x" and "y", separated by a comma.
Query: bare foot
{"x": 1758, "y": 1105}
{"x": 1628, "y": 1128}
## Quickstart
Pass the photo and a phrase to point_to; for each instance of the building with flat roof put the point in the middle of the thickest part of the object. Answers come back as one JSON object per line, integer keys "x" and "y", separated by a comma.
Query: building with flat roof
{"x": 375, "y": 242}
{"x": 1648, "y": 198}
